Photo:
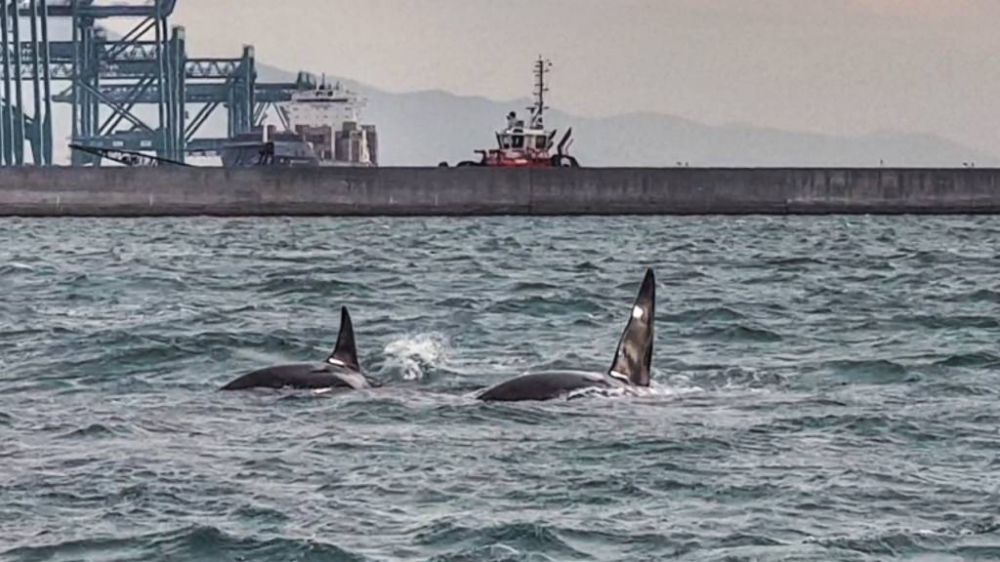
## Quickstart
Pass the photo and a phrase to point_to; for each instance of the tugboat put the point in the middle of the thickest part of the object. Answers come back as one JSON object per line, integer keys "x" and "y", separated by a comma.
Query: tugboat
{"x": 531, "y": 145}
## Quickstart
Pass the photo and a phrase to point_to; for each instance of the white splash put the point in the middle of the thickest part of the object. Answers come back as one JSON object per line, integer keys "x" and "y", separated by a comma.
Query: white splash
{"x": 415, "y": 353}
{"x": 675, "y": 386}
{"x": 597, "y": 391}
{"x": 13, "y": 266}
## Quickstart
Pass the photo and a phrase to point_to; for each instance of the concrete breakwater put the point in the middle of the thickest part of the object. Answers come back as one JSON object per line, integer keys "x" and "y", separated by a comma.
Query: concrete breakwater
{"x": 479, "y": 191}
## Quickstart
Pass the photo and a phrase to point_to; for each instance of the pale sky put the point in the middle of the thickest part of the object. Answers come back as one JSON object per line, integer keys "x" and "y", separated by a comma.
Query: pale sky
{"x": 833, "y": 66}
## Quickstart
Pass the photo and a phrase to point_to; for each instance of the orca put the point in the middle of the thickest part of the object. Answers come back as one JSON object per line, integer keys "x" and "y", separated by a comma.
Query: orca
{"x": 340, "y": 371}
{"x": 629, "y": 369}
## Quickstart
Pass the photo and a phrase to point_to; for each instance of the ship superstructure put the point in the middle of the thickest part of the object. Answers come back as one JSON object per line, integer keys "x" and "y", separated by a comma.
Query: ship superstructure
{"x": 329, "y": 118}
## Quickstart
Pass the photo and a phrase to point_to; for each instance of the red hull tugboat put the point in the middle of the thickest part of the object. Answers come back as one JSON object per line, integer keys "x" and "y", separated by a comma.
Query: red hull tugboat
{"x": 531, "y": 145}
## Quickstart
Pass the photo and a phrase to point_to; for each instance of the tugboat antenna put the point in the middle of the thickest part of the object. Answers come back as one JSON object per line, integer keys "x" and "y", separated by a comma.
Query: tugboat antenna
{"x": 542, "y": 67}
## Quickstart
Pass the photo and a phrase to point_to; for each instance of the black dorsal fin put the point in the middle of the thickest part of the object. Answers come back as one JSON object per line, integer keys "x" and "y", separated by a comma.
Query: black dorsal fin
{"x": 634, "y": 356}
{"x": 345, "y": 354}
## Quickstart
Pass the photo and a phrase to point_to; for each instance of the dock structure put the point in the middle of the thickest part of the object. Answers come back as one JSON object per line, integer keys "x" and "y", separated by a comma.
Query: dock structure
{"x": 104, "y": 79}
{"x": 336, "y": 191}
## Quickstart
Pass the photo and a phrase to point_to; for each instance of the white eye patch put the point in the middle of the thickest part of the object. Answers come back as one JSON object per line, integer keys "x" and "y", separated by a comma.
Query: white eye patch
{"x": 638, "y": 312}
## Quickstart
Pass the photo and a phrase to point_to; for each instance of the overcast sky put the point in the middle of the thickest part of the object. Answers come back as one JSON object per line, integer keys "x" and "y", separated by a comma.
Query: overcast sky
{"x": 835, "y": 66}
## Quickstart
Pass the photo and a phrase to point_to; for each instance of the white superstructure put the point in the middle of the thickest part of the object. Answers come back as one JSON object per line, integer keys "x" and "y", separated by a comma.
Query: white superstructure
{"x": 329, "y": 118}
{"x": 327, "y": 104}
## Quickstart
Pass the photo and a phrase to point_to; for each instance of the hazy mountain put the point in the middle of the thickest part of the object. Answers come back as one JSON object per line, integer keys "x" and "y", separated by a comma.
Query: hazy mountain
{"x": 424, "y": 128}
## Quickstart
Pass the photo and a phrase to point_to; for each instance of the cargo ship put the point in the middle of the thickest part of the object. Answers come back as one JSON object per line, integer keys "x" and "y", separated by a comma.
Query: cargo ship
{"x": 320, "y": 127}
{"x": 284, "y": 149}
{"x": 528, "y": 144}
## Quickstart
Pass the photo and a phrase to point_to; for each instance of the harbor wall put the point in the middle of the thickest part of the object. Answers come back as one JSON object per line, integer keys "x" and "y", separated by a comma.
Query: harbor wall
{"x": 176, "y": 191}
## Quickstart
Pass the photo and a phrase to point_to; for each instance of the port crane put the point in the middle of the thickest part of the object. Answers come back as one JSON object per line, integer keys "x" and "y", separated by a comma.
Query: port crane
{"x": 138, "y": 92}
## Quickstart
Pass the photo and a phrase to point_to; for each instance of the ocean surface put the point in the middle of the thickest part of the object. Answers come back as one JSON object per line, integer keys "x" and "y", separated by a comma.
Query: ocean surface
{"x": 824, "y": 389}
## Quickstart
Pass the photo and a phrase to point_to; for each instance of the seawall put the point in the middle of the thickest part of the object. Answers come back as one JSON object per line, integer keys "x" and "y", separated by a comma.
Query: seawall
{"x": 478, "y": 191}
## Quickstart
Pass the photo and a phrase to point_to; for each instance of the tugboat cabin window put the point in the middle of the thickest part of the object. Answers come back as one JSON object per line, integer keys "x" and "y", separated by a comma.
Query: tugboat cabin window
{"x": 540, "y": 142}
{"x": 518, "y": 141}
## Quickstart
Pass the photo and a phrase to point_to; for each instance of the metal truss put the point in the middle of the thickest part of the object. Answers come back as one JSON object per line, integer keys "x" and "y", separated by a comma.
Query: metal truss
{"x": 109, "y": 78}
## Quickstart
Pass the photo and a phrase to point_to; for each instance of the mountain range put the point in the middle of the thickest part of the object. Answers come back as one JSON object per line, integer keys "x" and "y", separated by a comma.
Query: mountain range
{"x": 428, "y": 127}
{"x": 424, "y": 128}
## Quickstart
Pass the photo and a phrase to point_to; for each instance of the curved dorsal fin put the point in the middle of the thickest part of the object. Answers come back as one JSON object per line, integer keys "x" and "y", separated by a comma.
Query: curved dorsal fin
{"x": 634, "y": 356}
{"x": 345, "y": 353}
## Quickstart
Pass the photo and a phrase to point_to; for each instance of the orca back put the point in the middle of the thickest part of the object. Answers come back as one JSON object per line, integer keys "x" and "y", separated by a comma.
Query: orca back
{"x": 340, "y": 370}
{"x": 543, "y": 386}
{"x": 311, "y": 376}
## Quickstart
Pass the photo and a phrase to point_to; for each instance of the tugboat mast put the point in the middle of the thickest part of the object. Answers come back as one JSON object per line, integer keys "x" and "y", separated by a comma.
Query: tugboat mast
{"x": 542, "y": 67}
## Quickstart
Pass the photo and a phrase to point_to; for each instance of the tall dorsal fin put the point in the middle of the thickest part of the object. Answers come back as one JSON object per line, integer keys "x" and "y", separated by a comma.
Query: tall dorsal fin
{"x": 634, "y": 356}
{"x": 345, "y": 354}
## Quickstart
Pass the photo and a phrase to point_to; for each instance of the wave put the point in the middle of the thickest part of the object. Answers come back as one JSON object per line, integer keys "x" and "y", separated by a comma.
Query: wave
{"x": 793, "y": 260}
{"x": 974, "y": 359}
{"x": 294, "y": 284}
{"x": 586, "y": 266}
{"x": 529, "y": 413}
{"x": 13, "y": 268}
{"x": 876, "y": 371}
{"x": 189, "y": 543}
{"x": 959, "y": 389}
{"x": 92, "y": 431}
{"x": 733, "y": 378}
{"x": 512, "y": 541}
{"x": 545, "y": 306}
{"x": 457, "y": 302}
{"x": 940, "y": 321}
{"x": 864, "y": 424}
{"x": 978, "y": 296}
{"x": 531, "y": 286}
{"x": 912, "y": 542}
{"x": 714, "y": 313}
{"x": 741, "y": 333}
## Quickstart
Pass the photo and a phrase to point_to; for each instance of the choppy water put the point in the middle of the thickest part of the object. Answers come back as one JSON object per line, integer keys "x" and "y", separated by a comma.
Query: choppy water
{"x": 825, "y": 389}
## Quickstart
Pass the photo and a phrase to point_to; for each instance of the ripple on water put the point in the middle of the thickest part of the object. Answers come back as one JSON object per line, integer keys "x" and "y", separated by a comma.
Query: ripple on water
{"x": 189, "y": 543}
{"x": 979, "y": 359}
{"x": 979, "y": 295}
{"x": 695, "y": 315}
{"x": 515, "y": 540}
{"x": 901, "y": 543}
{"x": 877, "y": 371}
{"x": 741, "y": 333}
{"x": 93, "y": 431}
